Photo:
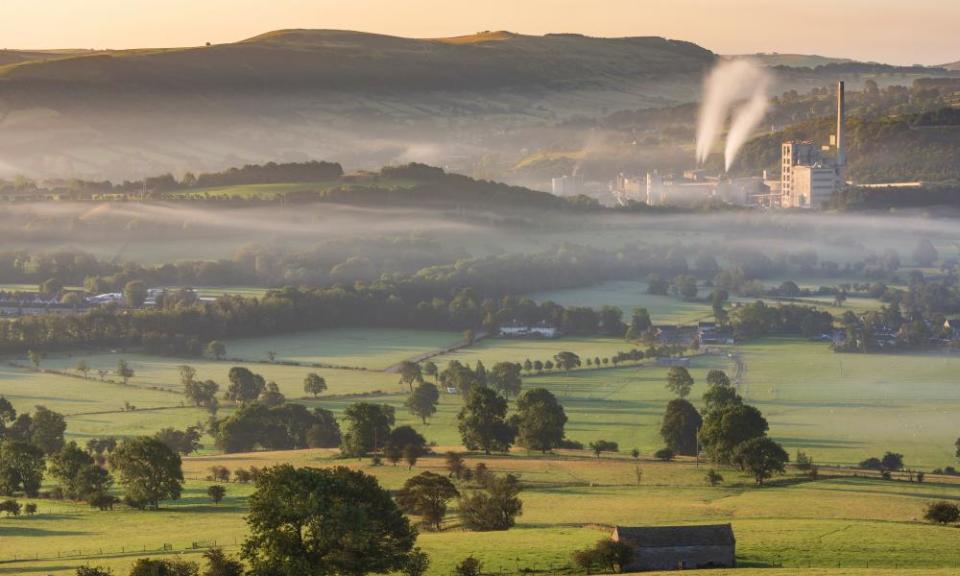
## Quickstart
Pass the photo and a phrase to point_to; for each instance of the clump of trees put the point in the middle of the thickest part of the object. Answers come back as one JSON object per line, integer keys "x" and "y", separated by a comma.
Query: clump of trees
{"x": 606, "y": 554}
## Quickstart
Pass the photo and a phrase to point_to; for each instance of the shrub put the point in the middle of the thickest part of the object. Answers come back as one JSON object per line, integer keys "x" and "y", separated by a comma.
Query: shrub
{"x": 93, "y": 571}
{"x": 713, "y": 477}
{"x": 30, "y": 509}
{"x": 942, "y": 512}
{"x": 664, "y": 454}
{"x": 469, "y": 566}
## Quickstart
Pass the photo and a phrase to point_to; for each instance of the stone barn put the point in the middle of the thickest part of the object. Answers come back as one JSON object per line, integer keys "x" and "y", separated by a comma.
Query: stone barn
{"x": 678, "y": 547}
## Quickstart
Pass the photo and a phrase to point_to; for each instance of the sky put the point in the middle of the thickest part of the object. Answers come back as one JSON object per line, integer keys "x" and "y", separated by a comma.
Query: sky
{"x": 891, "y": 31}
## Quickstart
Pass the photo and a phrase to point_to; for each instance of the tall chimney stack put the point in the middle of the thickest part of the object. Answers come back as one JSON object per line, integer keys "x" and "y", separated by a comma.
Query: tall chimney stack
{"x": 841, "y": 121}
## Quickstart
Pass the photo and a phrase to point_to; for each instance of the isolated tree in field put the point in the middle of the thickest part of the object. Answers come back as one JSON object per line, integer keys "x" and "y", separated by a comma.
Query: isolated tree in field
{"x": 410, "y": 373}
{"x": 724, "y": 429}
{"x": 216, "y": 350}
{"x": 404, "y": 441}
{"x": 21, "y": 468}
{"x": 367, "y": 428}
{"x": 469, "y": 566}
{"x": 482, "y": 421}
{"x": 135, "y": 293}
{"x": 35, "y": 357}
{"x": 493, "y": 508}
{"x": 456, "y": 466}
{"x": 892, "y": 461}
{"x": 924, "y": 253}
{"x": 202, "y": 394}
{"x": 216, "y": 493}
{"x": 601, "y": 446}
{"x": 681, "y": 421}
{"x": 426, "y": 495}
{"x": 679, "y": 381}
{"x": 46, "y": 430}
{"x": 762, "y": 457}
{"x": 318, "y": 522}
{"x": 188, "y": 375}
{"x": 124, "y": 371}
{"x": 245, "y": 386}
{"x": 505, "y": 377}
{"x": 942, "y": 512}
{"x": 718, "y": 378}
{"x": 422, "y": 402}
{"x": 82, "y": 367}
{"x": 149, "y": 471}
{"x": 540, "y": 420}
{"x": 664, "y": 454}
{"x": 314, "y": 384}
{"x": 713, "y": 477}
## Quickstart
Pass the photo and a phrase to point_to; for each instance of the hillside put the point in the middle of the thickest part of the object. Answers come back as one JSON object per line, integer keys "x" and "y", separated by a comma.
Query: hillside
{"x": 295, "y": 94}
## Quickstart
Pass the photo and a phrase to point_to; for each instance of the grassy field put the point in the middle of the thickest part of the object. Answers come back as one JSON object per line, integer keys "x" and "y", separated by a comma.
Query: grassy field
{"x": 627, "y": 295}
{"x": 569, "y": 502}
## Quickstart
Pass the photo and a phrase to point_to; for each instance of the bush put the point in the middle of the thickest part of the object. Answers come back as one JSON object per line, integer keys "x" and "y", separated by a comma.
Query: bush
{"x": 664, "y": 454}
{"x": 713, "y": 477}
{"x": 148, "y": 567}
{"x": 11, "y": 507}
{"x": 606, "y": 553}
{"x": 942, "y": 512}
{"x": 469, "y": 566}
{"x": 871, "y": 464}
{"x": 30, "y": 509}
{"x": 93, "y": 571}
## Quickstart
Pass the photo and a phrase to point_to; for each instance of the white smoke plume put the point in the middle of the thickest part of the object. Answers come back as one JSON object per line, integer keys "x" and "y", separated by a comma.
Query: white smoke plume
{"x": 737, "y": 89}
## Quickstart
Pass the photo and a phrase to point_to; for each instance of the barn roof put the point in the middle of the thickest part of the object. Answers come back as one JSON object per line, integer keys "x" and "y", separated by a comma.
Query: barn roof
{"x": 661, "y": 536}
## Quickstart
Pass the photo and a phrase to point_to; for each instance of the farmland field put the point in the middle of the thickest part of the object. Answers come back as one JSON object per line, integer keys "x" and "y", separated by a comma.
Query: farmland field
{"x": 569, "y": 503}
{"x": 627, "y": 295}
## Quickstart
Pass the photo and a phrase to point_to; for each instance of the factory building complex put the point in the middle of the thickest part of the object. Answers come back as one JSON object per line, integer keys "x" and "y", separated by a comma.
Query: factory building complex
{"x": 809, "y": 175}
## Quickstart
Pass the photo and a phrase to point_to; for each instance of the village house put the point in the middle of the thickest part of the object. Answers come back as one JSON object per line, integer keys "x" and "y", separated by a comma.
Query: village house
{"x": 678, "y": 547}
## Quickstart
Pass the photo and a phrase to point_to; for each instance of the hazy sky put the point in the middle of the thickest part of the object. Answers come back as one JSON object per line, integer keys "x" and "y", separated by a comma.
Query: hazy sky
{"x": 895, "y": 31}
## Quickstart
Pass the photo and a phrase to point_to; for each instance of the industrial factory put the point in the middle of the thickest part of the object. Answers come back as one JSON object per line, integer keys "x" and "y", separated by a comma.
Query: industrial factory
{"x": 809, "y": 175}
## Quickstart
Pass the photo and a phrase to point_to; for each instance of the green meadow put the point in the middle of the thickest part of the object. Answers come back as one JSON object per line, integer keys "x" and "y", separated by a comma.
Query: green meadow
{"x": 856, "y": 524}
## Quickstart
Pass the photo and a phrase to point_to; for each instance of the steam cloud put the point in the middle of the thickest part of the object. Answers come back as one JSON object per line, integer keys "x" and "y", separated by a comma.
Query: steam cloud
{"x": 736, "y": 89}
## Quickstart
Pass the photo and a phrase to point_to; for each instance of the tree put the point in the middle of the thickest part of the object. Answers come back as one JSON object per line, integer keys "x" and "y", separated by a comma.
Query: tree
{"x": 540, "y": 420}
{"x": 681, "y": 422}
{"x": 46, "y": 430}
{"x": 325, "y": 432}
{"x": 482, "y": 421}
{"x": 608, "y": 553}
{"x": 410, "y": 372}
{"x": 367, "y": 428}
{"x": 21, "y": 468}
{"x": 150, "y": 567}
{"x": 718, "y": 397}
{"x": 455, "y": 465}
{"x": 216, "y": 350}
{"x": 679, "y": 381}
{"x": 942, "y": 512}
{"x": 713, "y": 477}
{"x": 762, "y": 457}
{"x": 417, "y": 563}
{"x": 505, "y": 378}
{"x": 724, "y": 429}
{"x": 892, "y": 461}
{"x": 82, "y": 367}
{"x": 182, "y": 442}
{"x": 426, "y": 495}
{"x": 78, "y": 474}
{"x": 404, "y": 442}
{"x": 219, "y": 564}
{"x": 149, "y": 471}
{"x": 924, "y": 253}
{"x": 188, "y": 375}
{"x": 601, "y": 446}
{"x": 135, "y": 293}
{"x": 494, "y": 508}
{"x": 430, "y": 369}
{"x": 10, "y": 507}
{"x": 35, "y": 357}
{"x": 664, "y": 454}
{"x": 422, "y": 402}
{"x": 567, "y": 360}
{"x": 469, "y": 566}
{"x": 245, "y": 386}
{"x": 317, "y": 522}
{"x": 124, "y": 371}
{"x": 314, "y": 384}
{"x": 271, "y": 395}
{"x": 202, "y": 394}
{"x": 718, "y": 378}
{"x": 216, "y": 493}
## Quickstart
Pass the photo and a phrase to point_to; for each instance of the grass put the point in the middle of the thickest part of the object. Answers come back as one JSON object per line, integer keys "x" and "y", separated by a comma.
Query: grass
{"x": 627, "y": 295}
{"x": 569, "y": 503}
